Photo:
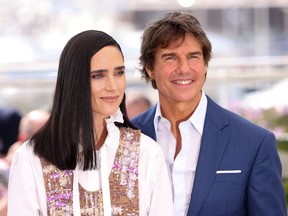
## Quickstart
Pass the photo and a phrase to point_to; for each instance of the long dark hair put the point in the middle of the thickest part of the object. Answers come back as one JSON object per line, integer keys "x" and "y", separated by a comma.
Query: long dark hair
{"x": 71, "y": 119}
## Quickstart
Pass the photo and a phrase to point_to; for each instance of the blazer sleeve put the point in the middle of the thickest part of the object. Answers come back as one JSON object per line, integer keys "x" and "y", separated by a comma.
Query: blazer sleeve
{"x": 265, "y": 191}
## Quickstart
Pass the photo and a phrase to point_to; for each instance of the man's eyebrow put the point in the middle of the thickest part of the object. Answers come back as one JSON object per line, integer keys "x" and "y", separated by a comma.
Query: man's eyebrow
{"x": 173, "y": 54}
{"x": 120, "y": 68}
{"x": 196, "y": 53}
{"x": 164, "y": 55}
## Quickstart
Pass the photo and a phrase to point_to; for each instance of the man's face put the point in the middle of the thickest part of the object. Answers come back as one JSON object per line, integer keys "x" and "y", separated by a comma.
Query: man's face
{"x": 179, "y": 71}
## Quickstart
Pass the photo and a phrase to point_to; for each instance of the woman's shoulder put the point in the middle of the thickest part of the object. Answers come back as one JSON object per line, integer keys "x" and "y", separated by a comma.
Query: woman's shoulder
{"x": 25, "y": 150}
{"x": 25, "y": 161}
{"x": 148, "y": 144}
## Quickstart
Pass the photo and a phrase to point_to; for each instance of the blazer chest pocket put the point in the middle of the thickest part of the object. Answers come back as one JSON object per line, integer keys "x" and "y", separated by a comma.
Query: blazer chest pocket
{"x": 220, "y": 177}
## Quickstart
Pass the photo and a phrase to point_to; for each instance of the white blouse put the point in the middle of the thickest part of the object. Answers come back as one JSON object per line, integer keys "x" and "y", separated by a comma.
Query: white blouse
{"x": 27, "y": 195}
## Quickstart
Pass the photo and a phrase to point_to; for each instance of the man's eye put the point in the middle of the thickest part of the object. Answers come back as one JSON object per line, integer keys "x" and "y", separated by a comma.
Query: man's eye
{"x": 120, "y": 73}
{"x": 194, "y": 57}
{"x": 169, "y": 58}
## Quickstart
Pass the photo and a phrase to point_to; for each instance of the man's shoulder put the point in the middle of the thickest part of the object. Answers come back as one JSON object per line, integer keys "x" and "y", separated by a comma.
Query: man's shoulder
{"x": 145, "y": 116}
{"x": 221, "y": 114}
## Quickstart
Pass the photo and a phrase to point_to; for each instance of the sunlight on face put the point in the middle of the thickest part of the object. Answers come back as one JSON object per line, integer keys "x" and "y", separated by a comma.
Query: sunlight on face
{"x": 108, "y": 81}
{"x": 179, "y": 71}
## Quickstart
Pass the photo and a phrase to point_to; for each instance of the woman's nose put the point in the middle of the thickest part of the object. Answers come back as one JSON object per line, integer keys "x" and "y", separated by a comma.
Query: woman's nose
{"x": 111, "y": 84}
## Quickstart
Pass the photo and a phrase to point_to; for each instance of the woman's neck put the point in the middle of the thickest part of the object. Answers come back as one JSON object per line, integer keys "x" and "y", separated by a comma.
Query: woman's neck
{"x": 100, "y": 132}
{"x": 100, "y": 138}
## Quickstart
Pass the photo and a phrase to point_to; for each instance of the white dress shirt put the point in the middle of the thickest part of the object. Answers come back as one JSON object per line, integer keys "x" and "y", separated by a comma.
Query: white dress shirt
{"x": 182, "y": 169}
{"x": 27, "y": 195}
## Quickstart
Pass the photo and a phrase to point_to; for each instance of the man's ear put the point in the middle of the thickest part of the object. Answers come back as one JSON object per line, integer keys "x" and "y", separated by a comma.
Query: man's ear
{"x": 150, "y": 73}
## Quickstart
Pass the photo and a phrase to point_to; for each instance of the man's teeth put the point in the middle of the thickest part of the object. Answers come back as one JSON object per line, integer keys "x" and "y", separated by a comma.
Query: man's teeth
{"x": 183, "y": 81}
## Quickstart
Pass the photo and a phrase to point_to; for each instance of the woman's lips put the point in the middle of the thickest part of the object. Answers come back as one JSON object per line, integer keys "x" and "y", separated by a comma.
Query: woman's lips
{"x": 110, "y": 98}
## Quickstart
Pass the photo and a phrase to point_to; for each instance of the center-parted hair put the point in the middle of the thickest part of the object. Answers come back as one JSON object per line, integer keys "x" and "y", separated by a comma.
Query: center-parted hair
{"x": 162, "y": 32}
{"x": 71, "y": 120}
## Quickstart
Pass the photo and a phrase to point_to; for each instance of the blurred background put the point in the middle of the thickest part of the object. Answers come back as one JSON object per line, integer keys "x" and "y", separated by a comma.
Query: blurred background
{"x": 248, "y": 73}
{"x": 250, "y": 45}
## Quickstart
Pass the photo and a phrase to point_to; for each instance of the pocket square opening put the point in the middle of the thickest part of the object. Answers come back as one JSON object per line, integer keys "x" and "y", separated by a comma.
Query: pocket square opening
{"x": 227, "y": 171}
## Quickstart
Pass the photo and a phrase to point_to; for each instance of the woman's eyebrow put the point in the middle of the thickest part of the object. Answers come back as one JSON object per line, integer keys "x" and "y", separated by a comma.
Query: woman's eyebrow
{"x": 99, "y": 71}
{"x": 106, "y": 70}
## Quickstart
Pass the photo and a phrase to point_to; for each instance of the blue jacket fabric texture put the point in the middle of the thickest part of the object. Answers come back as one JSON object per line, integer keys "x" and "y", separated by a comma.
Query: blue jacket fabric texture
{"x": 230, "y": 142}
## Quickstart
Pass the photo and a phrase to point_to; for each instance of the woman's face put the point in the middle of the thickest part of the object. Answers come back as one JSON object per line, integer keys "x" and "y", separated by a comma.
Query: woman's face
{"x": 108, "y": 82}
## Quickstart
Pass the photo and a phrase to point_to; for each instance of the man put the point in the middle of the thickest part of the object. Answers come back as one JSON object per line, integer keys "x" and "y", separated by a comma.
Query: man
{"x": 220, "y": 163}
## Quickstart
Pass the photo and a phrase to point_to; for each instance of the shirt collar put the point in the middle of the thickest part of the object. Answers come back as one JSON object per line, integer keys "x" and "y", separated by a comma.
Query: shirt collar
{"x": 116, "y": 117}
{"x": 197, "y": 119}
{"x": 112, "y": 138}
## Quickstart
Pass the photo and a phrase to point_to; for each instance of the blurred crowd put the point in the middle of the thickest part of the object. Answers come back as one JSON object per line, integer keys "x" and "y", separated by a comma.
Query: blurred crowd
{"x": 14, "y": 130}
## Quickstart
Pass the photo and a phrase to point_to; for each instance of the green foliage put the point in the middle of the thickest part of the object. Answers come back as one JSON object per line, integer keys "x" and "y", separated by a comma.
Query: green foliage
{"x": 285, "y": 184}
{"x": 283, "y": 146}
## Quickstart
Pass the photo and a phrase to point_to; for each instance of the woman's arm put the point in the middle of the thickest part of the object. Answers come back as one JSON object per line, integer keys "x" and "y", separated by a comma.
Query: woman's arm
{"x": 22, "y": 188}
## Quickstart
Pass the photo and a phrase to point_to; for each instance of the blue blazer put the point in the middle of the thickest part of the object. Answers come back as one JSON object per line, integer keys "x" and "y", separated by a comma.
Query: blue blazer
{"x": 229, "y": 142}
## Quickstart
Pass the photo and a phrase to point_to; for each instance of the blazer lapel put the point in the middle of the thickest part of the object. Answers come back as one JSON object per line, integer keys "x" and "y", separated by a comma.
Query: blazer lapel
{"x": 146, "y": 122}
{"x": 214, "y": 141}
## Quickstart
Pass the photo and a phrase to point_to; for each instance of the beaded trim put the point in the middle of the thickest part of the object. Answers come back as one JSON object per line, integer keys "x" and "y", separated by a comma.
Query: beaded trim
{"x": 59, "y": 189}
{"x": 124, "y": 175}
{"x": 91, "y": 203}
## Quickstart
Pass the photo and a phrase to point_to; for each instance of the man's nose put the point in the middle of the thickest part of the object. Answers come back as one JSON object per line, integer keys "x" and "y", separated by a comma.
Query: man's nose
{"x": 183, "y": 66}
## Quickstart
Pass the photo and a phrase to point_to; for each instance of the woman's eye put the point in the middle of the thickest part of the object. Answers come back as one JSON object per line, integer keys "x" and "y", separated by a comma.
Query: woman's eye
{"x": 96, "y": 76}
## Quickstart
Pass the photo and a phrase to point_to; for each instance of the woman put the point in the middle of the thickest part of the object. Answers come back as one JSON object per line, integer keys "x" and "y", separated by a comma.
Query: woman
{"x": 88, "y": 159}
